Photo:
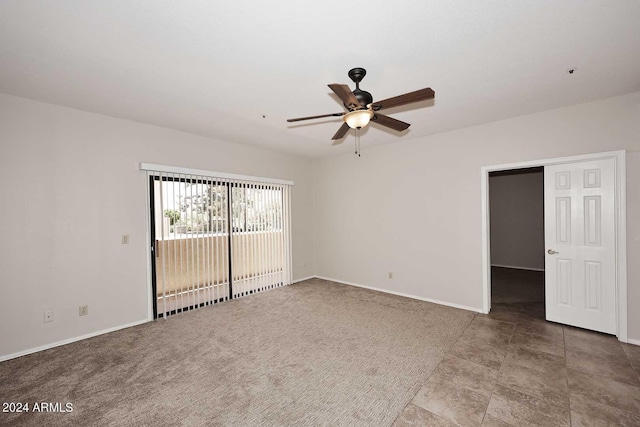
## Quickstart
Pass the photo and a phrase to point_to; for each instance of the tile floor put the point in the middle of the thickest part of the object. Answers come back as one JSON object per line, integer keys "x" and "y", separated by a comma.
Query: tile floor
{"x": 512, "y": 368}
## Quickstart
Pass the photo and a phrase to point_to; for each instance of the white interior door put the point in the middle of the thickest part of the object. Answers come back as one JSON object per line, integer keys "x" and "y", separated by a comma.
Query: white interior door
{"x": 580, "y": 261}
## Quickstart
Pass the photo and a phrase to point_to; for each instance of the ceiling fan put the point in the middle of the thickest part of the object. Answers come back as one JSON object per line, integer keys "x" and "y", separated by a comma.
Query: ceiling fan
{"x": 362, "y": 109}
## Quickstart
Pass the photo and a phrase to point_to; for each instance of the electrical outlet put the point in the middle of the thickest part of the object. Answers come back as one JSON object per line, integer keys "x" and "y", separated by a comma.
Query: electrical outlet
{"x": 390, "y": 275}
{"x": 83, "y": 310}
{"x": 125, "y": 239}
{"x": 48, "y": 316}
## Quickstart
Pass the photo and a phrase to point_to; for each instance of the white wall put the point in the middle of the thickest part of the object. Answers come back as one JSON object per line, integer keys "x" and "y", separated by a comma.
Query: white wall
{"x": 414, "y": 207}
{"x": 633, "y": 239}
{"x": 70, "y": 187}
{"x": 517, "y": 219}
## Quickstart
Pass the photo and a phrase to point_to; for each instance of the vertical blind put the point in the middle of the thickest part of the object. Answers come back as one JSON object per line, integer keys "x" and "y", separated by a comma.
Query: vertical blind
{"x": 216, "y": 237}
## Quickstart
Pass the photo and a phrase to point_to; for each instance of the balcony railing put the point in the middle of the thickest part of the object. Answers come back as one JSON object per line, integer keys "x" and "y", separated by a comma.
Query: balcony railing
{"x": 188, "y": 265}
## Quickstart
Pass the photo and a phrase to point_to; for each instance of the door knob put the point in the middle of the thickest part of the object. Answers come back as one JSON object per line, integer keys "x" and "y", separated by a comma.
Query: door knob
{"x": 552, "y": 252}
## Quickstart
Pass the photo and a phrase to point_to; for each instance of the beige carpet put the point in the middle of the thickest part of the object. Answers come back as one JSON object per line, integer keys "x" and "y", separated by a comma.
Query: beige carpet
{"x": 314, "y": 353}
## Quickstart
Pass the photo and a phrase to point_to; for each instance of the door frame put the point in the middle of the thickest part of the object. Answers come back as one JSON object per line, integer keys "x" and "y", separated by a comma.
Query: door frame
{"x": 620, "y": 226}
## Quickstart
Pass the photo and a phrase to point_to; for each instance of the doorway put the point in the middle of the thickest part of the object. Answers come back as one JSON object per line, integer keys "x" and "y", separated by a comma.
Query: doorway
{"x": 618, "y": 283}
{"x": 516, "y": 199}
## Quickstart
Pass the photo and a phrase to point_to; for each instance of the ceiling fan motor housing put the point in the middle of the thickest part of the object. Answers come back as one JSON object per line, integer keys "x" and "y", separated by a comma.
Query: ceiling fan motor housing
{"x": 363, "y": 97}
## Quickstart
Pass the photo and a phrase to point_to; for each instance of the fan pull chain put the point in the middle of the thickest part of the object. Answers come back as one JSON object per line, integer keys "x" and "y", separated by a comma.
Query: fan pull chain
{"x": 357, "y": 142}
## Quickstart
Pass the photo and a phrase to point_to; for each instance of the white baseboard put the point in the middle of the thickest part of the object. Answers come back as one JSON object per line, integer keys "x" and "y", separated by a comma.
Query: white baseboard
{"x": 91, "y": 335}
{"x": 303, "y": 279}
{"x": 517, "y": 268}
{"x": 69, "y": 341}
{"x": 140, "y": 322}
{"x": 401, "y": 294}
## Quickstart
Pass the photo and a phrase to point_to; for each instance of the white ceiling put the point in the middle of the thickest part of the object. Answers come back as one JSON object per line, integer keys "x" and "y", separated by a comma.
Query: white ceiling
{"x": 214, "y": 68}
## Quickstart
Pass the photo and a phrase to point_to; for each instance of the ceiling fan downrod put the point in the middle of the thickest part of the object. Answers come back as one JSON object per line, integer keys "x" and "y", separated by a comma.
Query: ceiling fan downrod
{"x": 364, "y": 98}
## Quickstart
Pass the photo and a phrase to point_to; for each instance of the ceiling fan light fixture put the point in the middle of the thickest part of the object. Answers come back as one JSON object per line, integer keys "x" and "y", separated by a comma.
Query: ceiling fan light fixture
{"x": 358, "y": 119}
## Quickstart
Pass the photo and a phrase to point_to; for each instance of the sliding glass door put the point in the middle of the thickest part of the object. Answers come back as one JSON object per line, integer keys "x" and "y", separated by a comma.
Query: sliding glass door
{"x": 190, "y": 243}
{"x": 256, "y": 238}
{"x": 213, "y": 240}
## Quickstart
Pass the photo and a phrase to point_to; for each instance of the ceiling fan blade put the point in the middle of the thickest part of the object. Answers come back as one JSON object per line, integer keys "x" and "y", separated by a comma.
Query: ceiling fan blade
{"x": 390, "y": 122}
{"x": 407, "y": 98}
{"x": 316, "y": 117}
{"x": 345, "y": 94}
{"x": 341, "y": 132}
